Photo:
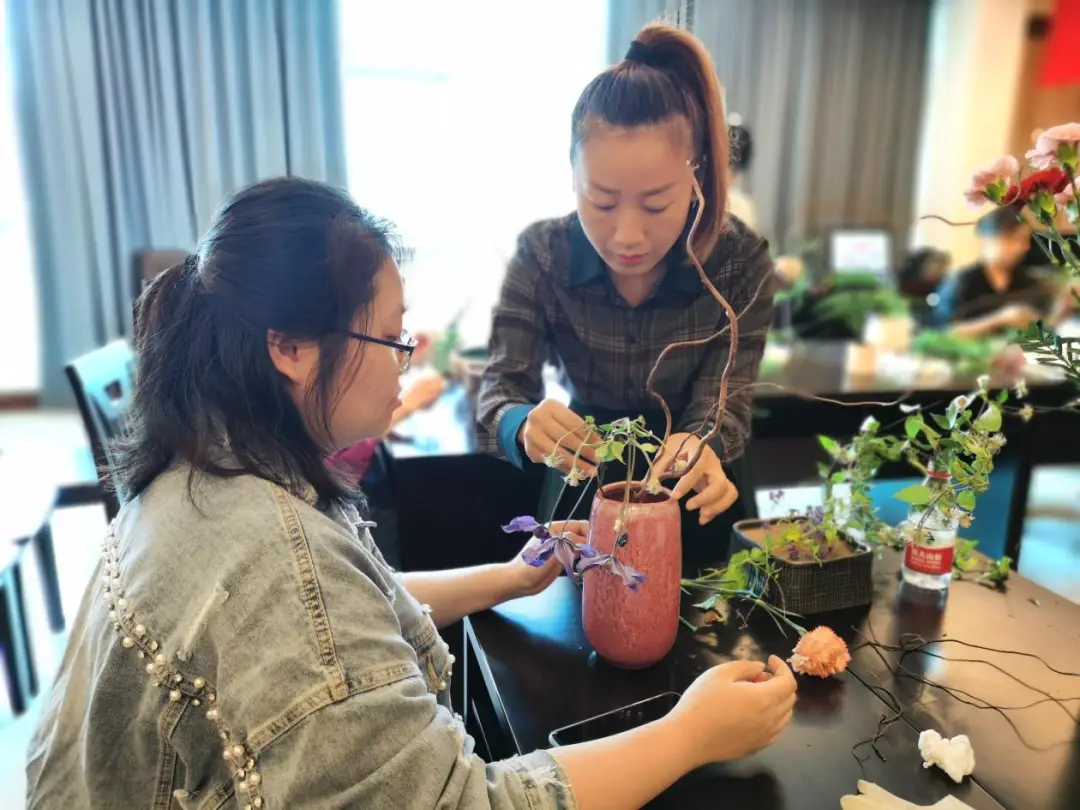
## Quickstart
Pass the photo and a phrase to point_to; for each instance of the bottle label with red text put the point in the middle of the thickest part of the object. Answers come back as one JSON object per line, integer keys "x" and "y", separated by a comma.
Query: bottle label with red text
{"x": 928, "y": 559}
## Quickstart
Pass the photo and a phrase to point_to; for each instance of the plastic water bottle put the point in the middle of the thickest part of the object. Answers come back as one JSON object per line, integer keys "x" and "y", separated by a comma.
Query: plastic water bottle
{"x": 931, "y": 541}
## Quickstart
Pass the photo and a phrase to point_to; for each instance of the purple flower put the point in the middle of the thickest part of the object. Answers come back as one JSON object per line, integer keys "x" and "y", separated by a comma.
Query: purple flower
{"x": 815, "y": 514}
{"x": 525, "y": 523}
{"x": 793, "y": 551}
{"x": 776, "y": 496}
{"x": 544, "y": 544}
{"x": 631, "y": 577}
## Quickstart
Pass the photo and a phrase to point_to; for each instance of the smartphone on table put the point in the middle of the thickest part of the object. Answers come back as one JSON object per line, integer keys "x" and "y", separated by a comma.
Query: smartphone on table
{"x": 615, "y": 722}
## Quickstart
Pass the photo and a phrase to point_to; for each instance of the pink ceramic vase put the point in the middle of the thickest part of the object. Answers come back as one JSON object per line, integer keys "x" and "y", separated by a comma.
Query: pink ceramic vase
{"x": 629, "y": 628}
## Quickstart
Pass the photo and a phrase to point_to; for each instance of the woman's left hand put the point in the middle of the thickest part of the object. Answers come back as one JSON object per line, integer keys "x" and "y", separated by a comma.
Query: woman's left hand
{"x": 715, "y": 493}
{"x": 527, "y": 580}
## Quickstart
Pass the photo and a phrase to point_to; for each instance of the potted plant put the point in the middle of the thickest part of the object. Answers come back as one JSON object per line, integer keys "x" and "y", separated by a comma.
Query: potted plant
{"x": 860, "y": 307}
{"x": 823, "y": 557}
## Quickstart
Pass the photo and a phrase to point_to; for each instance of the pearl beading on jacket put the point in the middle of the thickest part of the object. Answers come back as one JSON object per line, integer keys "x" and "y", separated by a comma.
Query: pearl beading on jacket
{"x": 240, "y": 761}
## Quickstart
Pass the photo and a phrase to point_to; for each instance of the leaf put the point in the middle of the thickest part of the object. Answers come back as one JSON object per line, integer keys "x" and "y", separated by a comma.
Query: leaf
{"x": 965, "y": 499}
{"x": 990, "y": 419}
{"x": 940, "y": 421}
{"x": 839, "y": 477}
{"x": 913, "y": 425}
{"x": 829, "y": 445}
{"x": 1003, "y": 395}
{"x": 647, "y": 447}
{"x": 616, "y": 449}
{"x": 916, "y": 495}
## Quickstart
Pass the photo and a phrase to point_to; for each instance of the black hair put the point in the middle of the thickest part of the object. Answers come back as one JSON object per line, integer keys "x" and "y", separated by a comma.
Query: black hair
{"x": 1003, "y": 220}
{"x": 742, "y": 147}
{"x": 290, "y": 256}
{"x": 679, "y": 81}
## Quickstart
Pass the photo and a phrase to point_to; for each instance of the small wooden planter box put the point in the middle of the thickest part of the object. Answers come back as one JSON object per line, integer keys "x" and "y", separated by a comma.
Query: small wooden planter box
{"x": 810, "y": 586}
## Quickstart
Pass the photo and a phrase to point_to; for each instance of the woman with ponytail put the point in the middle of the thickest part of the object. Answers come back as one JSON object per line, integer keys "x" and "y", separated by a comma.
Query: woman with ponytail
{"x": 603, "y": 291}
{"x": 243, "y": 643}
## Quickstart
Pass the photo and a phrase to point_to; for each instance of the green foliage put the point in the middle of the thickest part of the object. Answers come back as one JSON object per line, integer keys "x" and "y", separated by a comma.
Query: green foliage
{"x": 855, "y": 306}
{"x": 969, "y": 355}
{"x": 1051, "y": 350}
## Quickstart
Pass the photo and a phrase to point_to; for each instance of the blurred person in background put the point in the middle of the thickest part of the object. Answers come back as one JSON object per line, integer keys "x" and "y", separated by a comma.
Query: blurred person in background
{"x": 1000, "y": 290}
{"x": 742, "y": 149}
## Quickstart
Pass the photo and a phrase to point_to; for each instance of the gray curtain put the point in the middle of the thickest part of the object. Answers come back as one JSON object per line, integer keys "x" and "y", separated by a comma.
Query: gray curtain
{"x": 832, "y": 91}
{"x": 626, "y": 17}
{"x": 137, "y": 117}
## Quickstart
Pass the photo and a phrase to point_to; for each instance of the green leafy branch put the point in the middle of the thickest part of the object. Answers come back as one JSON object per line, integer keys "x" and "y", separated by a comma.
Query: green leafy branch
{"x": 992, "y": 573}
{"x": 1054, "y": 351}
{"x": 744, "y": 577}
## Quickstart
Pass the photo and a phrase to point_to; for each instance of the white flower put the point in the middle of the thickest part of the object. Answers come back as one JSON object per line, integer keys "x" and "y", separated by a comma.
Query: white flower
{"x": 983, "y": 381}
{"x": 553, "y": 459}
{"x": 954, "y": 756}
{"x": 653, "y": 486}
{"x": 574, "y": 477}
{"x": 1026, "y": 413}
{"x": 1020, "y": 389}
{"x": 869, "y": 425}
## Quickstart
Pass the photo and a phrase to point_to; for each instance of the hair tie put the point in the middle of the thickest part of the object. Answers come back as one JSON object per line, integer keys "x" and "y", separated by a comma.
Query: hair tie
{"x": 646, "y": 55}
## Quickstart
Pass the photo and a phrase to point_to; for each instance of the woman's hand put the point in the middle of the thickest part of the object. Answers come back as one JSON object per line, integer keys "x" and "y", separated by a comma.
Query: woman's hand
{"x": 523, "y": 579}
{"x": 731, "y": 712}
{"x": 553, "y": 431}
{"x": 715, "y": 493}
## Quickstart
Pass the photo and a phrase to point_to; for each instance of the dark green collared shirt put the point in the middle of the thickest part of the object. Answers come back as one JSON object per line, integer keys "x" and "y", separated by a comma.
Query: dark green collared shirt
{"x": 558, "y": 304}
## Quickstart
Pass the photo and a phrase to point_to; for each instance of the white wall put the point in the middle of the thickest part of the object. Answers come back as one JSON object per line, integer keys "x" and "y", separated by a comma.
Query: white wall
{"x": 976, "y": 54}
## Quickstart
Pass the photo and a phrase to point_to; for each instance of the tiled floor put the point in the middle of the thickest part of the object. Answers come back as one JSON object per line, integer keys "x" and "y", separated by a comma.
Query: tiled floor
{"x": 1051, "y": 556}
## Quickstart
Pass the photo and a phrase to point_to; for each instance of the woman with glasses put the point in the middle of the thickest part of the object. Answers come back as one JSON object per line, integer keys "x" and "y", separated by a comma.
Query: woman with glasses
{"x": 362, "y": 465}
{"x": 243, "y": 643}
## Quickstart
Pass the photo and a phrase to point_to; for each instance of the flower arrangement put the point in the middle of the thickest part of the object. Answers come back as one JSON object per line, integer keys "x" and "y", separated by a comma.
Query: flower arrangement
{"x": 1047, "y": 188}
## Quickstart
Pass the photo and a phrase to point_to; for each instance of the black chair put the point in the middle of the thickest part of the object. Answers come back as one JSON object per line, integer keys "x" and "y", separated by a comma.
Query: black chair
{"x": 103, "y": 381}
{"x": 149, "y": 264}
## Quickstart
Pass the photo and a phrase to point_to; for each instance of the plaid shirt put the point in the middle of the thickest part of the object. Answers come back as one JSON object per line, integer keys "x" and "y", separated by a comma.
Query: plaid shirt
{"x": 558, "y": 303}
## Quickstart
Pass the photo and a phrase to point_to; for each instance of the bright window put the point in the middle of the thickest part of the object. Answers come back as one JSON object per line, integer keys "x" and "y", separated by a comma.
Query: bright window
{"x": 19, "y": 373}
{"x": 458, "y": 129}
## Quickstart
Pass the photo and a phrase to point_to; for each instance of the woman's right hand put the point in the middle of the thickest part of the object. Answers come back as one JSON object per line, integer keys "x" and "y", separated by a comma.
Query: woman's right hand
{"x": 734, "y": 710}
{"x": 553, "y": 429}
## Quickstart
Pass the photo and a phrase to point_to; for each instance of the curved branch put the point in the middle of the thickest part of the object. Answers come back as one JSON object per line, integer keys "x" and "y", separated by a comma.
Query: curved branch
{"x": 733, "y": 325}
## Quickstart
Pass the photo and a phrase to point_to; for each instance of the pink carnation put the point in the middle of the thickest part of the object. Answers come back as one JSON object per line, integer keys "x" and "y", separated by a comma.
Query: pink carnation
{"x": 1045, "y": 153}
{"x": 1003, "y": 169}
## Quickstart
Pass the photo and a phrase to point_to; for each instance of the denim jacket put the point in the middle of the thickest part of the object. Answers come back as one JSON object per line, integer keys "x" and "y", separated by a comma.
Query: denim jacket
{"x": 245, "y": 649}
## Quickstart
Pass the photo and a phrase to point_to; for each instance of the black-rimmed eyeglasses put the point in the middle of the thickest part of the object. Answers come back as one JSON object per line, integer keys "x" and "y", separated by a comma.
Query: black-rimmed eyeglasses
{"x": 404, "y": 346}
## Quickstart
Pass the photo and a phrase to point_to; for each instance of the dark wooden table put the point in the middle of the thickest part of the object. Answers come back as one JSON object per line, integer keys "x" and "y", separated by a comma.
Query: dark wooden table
{"x": 530, "y": 671}
{"x": 1029, "y": 759}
